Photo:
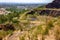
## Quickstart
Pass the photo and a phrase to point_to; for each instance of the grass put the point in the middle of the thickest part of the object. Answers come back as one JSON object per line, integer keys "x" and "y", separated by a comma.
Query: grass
{"x": 4, "y": 33}
{"x": 32, "y": 32}
{"x": 39, "y": 28}
{"x": 42, "y": 30}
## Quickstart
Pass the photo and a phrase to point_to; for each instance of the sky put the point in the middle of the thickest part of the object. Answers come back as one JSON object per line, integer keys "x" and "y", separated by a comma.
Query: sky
{"x": 26, "y": 1}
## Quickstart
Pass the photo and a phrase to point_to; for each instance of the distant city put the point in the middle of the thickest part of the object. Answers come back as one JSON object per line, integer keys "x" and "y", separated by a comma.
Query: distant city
{"x": 18, "y": 5}
{"x": 4, "y": 6}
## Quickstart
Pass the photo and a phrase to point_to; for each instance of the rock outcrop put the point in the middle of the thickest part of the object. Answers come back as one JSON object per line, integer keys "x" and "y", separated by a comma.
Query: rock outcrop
{"x": 54, "y": 4}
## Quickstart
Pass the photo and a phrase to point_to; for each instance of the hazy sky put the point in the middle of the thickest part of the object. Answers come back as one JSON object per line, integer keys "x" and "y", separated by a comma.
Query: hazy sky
{"x": 27, "y": 1}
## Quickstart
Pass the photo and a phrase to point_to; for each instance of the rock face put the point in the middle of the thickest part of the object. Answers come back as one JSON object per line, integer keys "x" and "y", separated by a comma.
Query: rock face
{"x": 54, "y": 13}
{"x": 54, "y": 4}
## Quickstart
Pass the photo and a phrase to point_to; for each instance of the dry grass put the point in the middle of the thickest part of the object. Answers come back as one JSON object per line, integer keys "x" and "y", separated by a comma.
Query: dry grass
{"x": 37, "y": 27}
{"x": 45, "y": 28}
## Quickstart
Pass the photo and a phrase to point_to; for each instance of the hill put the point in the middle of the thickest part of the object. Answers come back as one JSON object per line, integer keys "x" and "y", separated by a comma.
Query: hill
{"x": 54, "y": 4}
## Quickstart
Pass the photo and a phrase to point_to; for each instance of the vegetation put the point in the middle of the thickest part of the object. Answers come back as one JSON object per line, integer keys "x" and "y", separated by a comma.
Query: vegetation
{"x": 32, "y": 26}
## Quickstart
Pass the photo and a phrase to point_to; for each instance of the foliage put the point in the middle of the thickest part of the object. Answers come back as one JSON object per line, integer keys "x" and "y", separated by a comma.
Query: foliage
{"x": 32, "y": 30}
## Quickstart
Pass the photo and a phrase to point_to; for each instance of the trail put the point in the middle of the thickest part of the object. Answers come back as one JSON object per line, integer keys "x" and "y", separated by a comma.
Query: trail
{"x": 39, "y": 9}
{"x": 48, "y": 9}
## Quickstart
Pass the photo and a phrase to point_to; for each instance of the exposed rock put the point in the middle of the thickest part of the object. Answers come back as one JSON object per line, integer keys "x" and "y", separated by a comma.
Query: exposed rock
{"x": 32, "y": 12}
{"x": 53, "y": 13}
{"x": 50, "y": 13}
{"x": 54, "y": 4}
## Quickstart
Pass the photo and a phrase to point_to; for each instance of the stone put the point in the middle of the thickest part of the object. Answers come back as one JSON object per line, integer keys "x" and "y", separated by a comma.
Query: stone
{"x": 54, "y": 4}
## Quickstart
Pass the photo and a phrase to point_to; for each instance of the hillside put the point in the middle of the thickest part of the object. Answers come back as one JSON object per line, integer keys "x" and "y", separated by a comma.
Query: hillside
{"x": 29, "y": 25}
{"x": 54, "y": 4}
{"x": 42, "y": 23}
